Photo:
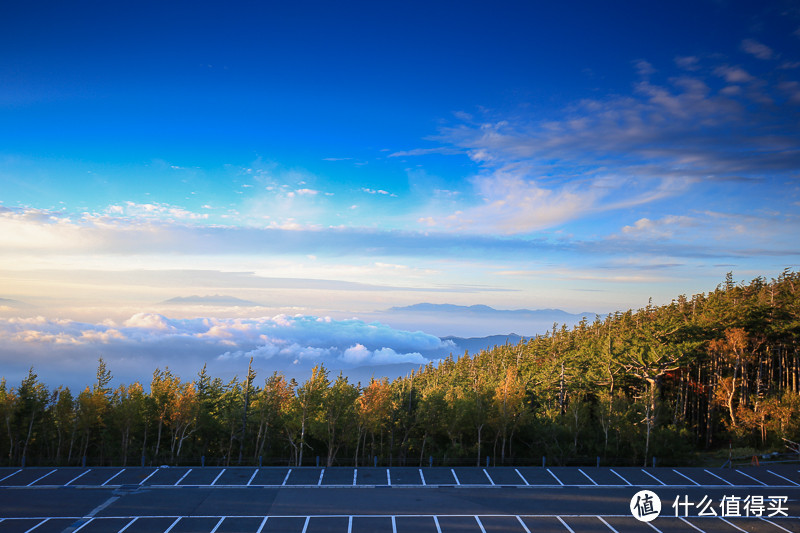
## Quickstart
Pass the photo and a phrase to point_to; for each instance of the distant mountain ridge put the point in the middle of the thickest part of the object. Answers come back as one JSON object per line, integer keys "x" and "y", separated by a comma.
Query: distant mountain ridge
{"x": 557, "y": 314}
{"x": 216, "y": 299}
{"x": 8, "y": 302}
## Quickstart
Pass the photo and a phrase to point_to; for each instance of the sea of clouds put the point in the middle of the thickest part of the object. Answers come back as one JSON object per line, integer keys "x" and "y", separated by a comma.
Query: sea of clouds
{"x": 65, "y": 351}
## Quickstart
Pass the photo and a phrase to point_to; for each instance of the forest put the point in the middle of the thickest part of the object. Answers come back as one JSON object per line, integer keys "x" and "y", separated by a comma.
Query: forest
{"x": 699, "y": 374}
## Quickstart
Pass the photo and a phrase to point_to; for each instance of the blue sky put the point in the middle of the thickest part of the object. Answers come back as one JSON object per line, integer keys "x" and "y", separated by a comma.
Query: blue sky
{"x": 337, "y": 159}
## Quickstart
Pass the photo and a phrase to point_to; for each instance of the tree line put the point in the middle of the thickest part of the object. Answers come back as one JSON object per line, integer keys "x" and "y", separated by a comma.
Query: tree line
{"x": 671, "y": 380}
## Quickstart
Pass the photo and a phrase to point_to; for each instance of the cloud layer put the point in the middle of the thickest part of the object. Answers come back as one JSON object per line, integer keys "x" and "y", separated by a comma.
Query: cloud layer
{"x": 135, "y": 347}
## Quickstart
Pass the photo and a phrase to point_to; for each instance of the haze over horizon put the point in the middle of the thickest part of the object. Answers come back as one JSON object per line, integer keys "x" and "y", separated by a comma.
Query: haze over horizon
{"x": 329, "y": 162}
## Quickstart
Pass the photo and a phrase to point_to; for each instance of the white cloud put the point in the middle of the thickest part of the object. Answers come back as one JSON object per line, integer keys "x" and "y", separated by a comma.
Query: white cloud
{"x": 757, "y": 49}
{"x": 733, "y": 74}
{"x": 299, "y": 337}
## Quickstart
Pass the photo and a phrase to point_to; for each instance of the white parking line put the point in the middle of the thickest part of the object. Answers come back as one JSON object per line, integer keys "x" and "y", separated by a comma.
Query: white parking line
{"x": 264, "y": 522}
{"x": 388, "y": 478}
{"x": 560, "y": 483}
{"x": 286, "y": 478}
{"x": 719, "y": 478}
{"x": 218, "y": 524}
{"x": 44, "y": 476}
{"x": 654, "y": 527}
{"x": 394, "y": 525}
{"x": 436, "y": 522}
{"x": 322, "y": 473}
{"x": 77, "y": 477}
{"x": 774, "y": 524}
{"x": 522, "y": 477}
{"x": 349, "y": 524}
{"x": 129, "y": 524}
{"x": 8, "y": 476}
{"x": 751, "y": 477}
{"x": 305, "y": 526}
{"x": 562, "y": 521}
{"x": 455, "y": 477}
{"x": 490, "y": 477}
{"x": 175, "y": 523}
{"x": 689, "y": 523}
{"x": 622, "y": 478}
{"x": 587, "y": 476}
{"x": 732, "y": 525}
{"x": 654, "y": 477}
{"x": 42, "y": 522}
{"x": 480, "y": 525}
{"x": 520, "y": 520}
{"x": 687, "y": 477}
{"x": 355, "y": 475}
{"x": 252, "y": 477}
{"x": 606, "y": 523}
{"x": 422, "y": 477}
{"x": 780, "y": 476}
{"x": 78, "y": 528}
{"x": 148, "y": 477}
{"x": 112, "y": 477}
{"x": 181, "y": 479}
{"x": 218, "y": 475}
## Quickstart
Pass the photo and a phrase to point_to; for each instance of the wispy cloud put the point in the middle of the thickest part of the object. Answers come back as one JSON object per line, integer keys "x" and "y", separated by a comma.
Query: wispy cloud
{"x": 660, "y": 141}
{"x": 757, "y": 49}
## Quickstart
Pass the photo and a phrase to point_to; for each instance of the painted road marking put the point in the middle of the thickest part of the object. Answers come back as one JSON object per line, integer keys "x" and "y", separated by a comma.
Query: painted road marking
{"x": 422, "y": 477}
{"x": 44, "y": 476}
{"x": 564, "y": 523}
{"x": 183, "y": 476}
{"x": 263, "y": 523}
{"x": 218, "y": 524}
{"x": 394, "y": 525}
{"x": 8, "y": 476}
{"x": 148, "y": 477}
{"x": 521, "y": 522}
{"x": 39, "y": 524}
{"x": 349, "y": 524}
{"x": 320, "y": 479}
{"x": 175, "y": 523}
{"x": 751, "y": 477}
{"x": 606, "y": 523}
{"x": 654, "y": 477}
{"x": 480, "y": 525}
{"x": 687, "y": 477}
{"x": 218, "y": 476}
{"x": 286, "y": 478}
{"x": 774, "y": 524}
{"x": 455, "y": 477}
{"x": 587, "y": 476}
{"x": 77, "y": 477}
{"x": 780, "y": 476}
{"x": 112, "y": 477}
{"x": 488, "y": 476}
{"x": 689, "y": 523}
{"x": 129, "y": 524}
{"x": 436, "y": 522}
{"x": 79, "y": 527}
{"x": 355, "y": 475}
{"x": 622, "y": 478}
{"x": 305, "y": 526}
{"x": 732, "y": 525}
{"x": 522, "y": 477}
{"x": 559, "y": 482}
{"x": 719, "y": 478}
{"x": 388, "y": 478}
{"x": 654, "y": 527}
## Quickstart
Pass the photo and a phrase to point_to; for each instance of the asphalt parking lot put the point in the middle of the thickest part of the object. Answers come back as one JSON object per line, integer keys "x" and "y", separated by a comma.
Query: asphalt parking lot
{"x": 436, "y": 500}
